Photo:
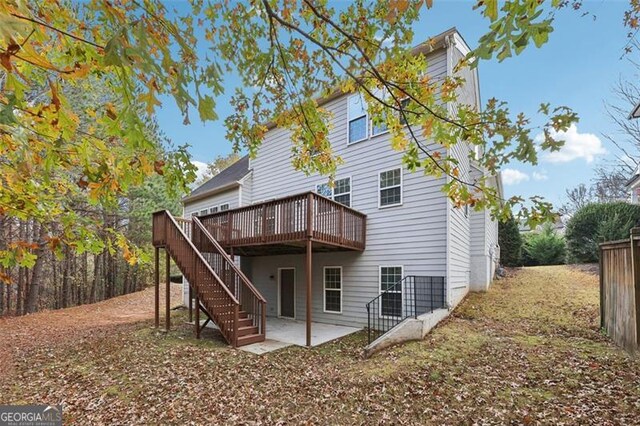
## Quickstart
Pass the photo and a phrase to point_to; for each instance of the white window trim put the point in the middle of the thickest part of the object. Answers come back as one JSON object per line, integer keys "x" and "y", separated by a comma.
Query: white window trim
{"x": 380, "y": 288}
{"x": 349, "y": 119}
{"x": 223, "y": 204}
{"x": 380, "y": 206}
{"x": 332, "y": 197}
{"x": 214, "y": 207}
{"x": 294, "y": 291}
{"x": 324, "y": 289}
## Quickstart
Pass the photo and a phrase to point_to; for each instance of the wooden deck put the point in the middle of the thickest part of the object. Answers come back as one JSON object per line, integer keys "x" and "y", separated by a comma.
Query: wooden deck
{"x": 285, "y": 225}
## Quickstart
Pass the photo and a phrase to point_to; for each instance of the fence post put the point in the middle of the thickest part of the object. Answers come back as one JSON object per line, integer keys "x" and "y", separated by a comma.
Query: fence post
{"x": 601, "y": 270}
{"x": 634, "y": 238}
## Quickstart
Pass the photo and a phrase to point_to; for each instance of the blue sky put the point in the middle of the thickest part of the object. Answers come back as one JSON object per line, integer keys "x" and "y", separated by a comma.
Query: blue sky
{"x": 578, "y": 68}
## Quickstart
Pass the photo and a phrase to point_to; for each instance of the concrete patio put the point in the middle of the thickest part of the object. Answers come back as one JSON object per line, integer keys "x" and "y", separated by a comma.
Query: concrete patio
{"x": 286, "y": 332}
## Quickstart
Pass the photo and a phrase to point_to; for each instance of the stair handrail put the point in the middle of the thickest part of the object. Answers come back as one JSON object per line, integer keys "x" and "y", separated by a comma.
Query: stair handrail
{"x": 408, "y": 308}
{"x": 199, "y": 255}
{"x": 231, "y": 263}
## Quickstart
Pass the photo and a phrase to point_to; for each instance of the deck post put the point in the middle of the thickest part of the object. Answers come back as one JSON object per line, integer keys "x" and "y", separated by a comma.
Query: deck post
{"x": 197, "y": 323}
{"x": 157, "y": 287}
{"x": 309, "y": 287}
{"x": 167, "y": 319}
{"x": 190, "y": 303}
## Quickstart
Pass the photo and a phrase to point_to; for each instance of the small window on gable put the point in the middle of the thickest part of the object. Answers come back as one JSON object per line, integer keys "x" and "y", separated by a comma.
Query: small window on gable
{"x": 390, "y": 188}
{"x": 358, "y": 120}
{"x": 224, "y": 207}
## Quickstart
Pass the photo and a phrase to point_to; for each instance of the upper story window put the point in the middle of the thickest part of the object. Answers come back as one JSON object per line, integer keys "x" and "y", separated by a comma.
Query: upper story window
{"x": 224, "y": 207}
{"x": 390, "y": 188}
{"x": 341, "y": 191}
{"x": 358, "y": 120}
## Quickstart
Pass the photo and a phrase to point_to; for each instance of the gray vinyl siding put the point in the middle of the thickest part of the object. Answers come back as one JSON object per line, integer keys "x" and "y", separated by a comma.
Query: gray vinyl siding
{"x": 247, "y": 190}
{"x": 231, "y": 196}
{"x": 412, "y": 235}
{"x": 460, "y": 219}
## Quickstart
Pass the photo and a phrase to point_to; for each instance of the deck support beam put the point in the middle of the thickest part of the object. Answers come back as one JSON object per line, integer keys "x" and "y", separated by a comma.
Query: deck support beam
{"x": 157, "y": 287}
{"x": 197, "y": 323}
{"x": 167, "y": 319}
{"x": 190, "y": 302}
{"x": 309, "y": 272}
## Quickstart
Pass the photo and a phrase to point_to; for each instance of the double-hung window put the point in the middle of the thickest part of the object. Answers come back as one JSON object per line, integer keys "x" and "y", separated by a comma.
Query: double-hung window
{"x": 333, "y": 289}
{"x": 224, "y": 207}
{"x": 341, "y": 191}
{"x": 358, "y": 120}
{"x": 390, "y": 188}
{"x": 391, "y": 289}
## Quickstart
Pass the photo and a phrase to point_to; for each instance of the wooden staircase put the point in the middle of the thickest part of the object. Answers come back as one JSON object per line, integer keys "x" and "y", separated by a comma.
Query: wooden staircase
{"x": 221, "y": 290}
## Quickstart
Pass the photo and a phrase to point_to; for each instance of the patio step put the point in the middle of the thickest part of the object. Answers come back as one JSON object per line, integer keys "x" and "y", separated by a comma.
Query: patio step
{"x": 250, "y": 338}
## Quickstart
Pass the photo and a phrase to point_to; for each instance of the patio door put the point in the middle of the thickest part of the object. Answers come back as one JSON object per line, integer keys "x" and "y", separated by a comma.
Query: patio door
{"x": 287, "y": 292}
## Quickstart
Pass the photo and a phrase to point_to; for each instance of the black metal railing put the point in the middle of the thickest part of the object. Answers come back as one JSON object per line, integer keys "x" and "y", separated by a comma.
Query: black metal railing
{"x": 411, "y": 296}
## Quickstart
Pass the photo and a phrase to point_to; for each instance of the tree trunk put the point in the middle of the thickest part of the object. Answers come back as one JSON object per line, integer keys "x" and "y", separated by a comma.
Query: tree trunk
{"x": 65, "y": 279}
{"x": 36, "y": 276}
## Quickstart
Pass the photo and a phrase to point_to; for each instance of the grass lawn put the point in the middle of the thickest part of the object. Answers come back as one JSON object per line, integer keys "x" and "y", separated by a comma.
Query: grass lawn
{"x": 528, "y": 351}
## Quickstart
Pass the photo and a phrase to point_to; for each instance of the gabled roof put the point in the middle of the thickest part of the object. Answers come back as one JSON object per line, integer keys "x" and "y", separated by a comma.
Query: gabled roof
{"x": 634, "y": 178}
{"x": 226, "y": 179}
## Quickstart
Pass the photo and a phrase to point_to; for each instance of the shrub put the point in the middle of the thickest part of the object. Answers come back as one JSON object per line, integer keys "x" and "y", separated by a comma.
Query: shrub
{"x": 544, "y": 248}
{"x": 510, "y": 242}
{"x": 596, "y": 223}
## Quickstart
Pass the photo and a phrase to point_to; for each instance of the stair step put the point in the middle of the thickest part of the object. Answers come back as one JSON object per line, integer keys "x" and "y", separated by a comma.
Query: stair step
{"x": 250, "y": 338}
{"x": 251, "y": 329}
{"x": 243, "y": 322}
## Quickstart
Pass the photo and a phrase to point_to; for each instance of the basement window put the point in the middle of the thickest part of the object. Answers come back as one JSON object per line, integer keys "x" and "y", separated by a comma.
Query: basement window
{"x": 333, "y": 289}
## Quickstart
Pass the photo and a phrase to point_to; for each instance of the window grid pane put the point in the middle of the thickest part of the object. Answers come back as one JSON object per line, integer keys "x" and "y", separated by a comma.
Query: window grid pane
{"x": 390, "y": 178}
{"x": 358, "y": 129}
{"x": 332, "y": 278}
{"x": 332, "y": 301}
{"x": 376, "y": 129}
{"x": 342, "y": 186}
{"x": 324, "y": 189}
{"x": 390, "y": 196}
{"x": 332, "y": 289}
{"x": 343, "y": 199}
{"x": 224, "y": 207}
{"x": 389, "y": 276}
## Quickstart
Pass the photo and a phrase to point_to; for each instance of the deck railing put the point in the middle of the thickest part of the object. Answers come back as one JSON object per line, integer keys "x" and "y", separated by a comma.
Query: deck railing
{"x": 251, "y": 301}
{"x": 218, "y": 300}
{"x": 288, "y": 219}
{"x": 408, "y": 298}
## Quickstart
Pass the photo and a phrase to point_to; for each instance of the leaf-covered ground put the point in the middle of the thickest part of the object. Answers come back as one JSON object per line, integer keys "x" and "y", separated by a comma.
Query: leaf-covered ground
{"x": 528, "y": 351}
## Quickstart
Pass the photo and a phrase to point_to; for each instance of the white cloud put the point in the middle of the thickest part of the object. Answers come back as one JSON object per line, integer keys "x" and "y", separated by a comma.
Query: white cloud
{"x": 513, "y": 176}
{"x": 540, "y": 176}
{"x": 576, "y": 145}
{"x": 202, "y": 169}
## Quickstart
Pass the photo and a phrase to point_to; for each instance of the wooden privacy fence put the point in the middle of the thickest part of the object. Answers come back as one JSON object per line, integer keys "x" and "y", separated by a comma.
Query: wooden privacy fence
{"x": 620, "y": 290}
